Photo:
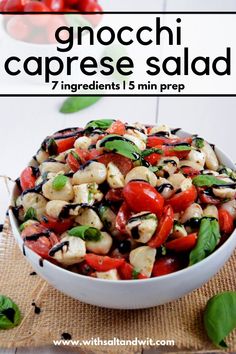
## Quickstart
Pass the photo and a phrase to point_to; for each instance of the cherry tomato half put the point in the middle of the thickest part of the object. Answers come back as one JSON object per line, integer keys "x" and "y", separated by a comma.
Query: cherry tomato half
{"x": 182, "y": 244}
{"x": 189, "y": 171}
{"x": 115, "y": 195}
{"x": 122, "y": 218}
{"x": 13, "y": 6}
{"x": 27, "y": 178}
{"x": 183, "y": 200}
{"x": 164, "y": 228}
{"x": 123, "y": 163}
{"x": 40, "y": 244}
{"x": 116, "y": 128}
{"x": 103, "y": 263}
{"x": 226, "y": 222}
{"x": 141, "y": 196}
{"x": 166, "y": 265}
{"x": 73, "y": 161}
{"x": 154, "y": 141}
{"x": 56, "y": 225}
{"x": 127, "y": 272}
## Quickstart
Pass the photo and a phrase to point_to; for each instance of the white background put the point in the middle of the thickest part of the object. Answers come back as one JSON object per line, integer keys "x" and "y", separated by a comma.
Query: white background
{"x": 26, "y": 121}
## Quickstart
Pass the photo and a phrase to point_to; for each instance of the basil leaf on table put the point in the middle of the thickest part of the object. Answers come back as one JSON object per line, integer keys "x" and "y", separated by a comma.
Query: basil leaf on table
{"x": 77, "y": 103}
{"x": 99, "y": 124}
{"x": 30, "y": 214}
{"x": 121, "y": 146}
{"x": 220, "y": 317}
{"x": 207, "y": 181}
{"x": 59, "y": 182}
{"x": 9, "y": 313}
{"x": 86, "y": 233}
{"x": 208, "y": 238}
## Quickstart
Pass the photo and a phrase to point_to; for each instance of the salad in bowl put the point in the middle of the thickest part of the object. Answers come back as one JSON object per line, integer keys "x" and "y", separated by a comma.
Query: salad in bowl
{"x": 119, "y": 201}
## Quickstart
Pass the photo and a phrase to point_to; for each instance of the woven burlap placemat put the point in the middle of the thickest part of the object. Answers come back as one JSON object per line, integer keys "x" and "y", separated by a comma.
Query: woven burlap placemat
{"x": 180, "y": 320}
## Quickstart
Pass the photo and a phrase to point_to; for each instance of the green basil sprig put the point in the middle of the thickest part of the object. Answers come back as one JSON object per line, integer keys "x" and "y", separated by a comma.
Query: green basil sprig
{"x": 182, "y": 148}
{"x": 199, "y": 142}
{"x": 121, "y": 146}
{"x": 59, "y": 182}
{"x": 9, "y": 313}
{"x": 208, "y": 238}
{"x": 207, "y": 181}
{"x": 86, "y": 233}
{"x": 220, "y": 317}
{"x": 102, "y": 124}
{"x": 30, "y": 214}
{"x": 75, "y": 103}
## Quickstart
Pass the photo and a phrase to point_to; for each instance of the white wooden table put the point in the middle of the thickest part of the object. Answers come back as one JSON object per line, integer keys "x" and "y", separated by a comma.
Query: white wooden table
{"x": 26, "y": 121}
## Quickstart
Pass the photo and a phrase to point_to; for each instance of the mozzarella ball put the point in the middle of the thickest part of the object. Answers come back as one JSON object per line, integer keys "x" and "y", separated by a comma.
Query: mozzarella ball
{"x": 143, "y": 173}
{"x": 142, "y": 226}
{"x": 197, "y": 156}
{"x": 193, "y": 211}
{"x": 115, "y": 178}
{"x": 82, "y": 143}
{"x": 69, "y": 251}
{"x": 88, "y": 216}
{"x": 54, "y": 208}
{"x": 161, "y": 128}
{"x": 66, "y": 193}
{"x": 109, "y": 275}
{"x": 53, "y": 166}
{"x": 87, "y": 193}
{"x": 93, "y": 172}
{"x": 168, "y": 165}
{"x": 142, "y": 259}
{"x": 192, "y": 164}
{"x": 36, "y": 201}
{"x": 138, "y": 142}
{"x": 176, "y": 180}
{"x": 102, "y": 246}
{"x": 165, "y": 188}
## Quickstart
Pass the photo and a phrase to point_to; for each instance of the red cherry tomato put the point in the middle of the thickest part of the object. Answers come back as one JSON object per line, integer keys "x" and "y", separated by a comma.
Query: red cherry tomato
{"x": 55, "y": 5}
{"x": 2, "y": 5}
{"x": 122, "y": 218}
{"x": 183, "y": 200}
{"x": 153, "y": 158}
{"x": 89, "y": 6}
{"x": 73, "y": 161}
{"x": 85, "y": 269}
{"x": 116, "y": 128}
{"x": 205, "y": 198}
{"x": 166, "y": 265}
{"x": 57, "y": 225}
{"x": 154, "y": 141}
{"x": 182, "y": 244}
{"x": 164, "y": 228}
{"x": 103, "y": 263}
{"x": 94, "y": 153}
{"x": 141, "y": 196}
{"x": 65, "y": 144}
{"x": 18, "y": 28}
{"x": 226, "y": 222}
{"x": 170, "y": 151}
{"x": 189, "y": 171}
{"x": 39, "y": 243}
{"x": 13, "y": 6}
{"x": 115, "y": 195}
{"x": 27, "y": 179}
{"x": 123, "y": 163}
{"x": 127, "y": 272}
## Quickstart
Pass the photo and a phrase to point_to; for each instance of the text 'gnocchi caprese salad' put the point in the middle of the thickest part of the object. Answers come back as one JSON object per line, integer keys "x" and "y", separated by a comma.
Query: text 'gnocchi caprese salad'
{"x": 125, "y": 201}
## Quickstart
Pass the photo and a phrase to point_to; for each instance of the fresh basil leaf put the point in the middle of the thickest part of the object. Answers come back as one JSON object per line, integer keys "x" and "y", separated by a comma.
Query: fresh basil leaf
{"x": 220, "y": 317}
{"x": 148, "y": 152}
{"x": 207, "y": 181}
{"x": 86, "y": 233}
{"x": 75, "y": 104}
{"x": 154, "y": 168}
{"x": 208, "y": 238}
{"x": 121, "y": 146}
{"x": 182, "y": 148}
{"x": 9, "y": 313}
{"x": 30, "y": 214}
{"x": 199, "y": 142}
{"x": 59, "y": 182}
{"x": 99, "y": 124}
{"x": 135, "y": 274}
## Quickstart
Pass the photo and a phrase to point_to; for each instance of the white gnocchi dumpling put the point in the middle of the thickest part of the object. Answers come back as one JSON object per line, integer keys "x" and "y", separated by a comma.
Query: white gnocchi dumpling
{"x": 115, "y": 178}
{"x": 35, "y": 201}
{"x": 89, "y": 217}
{"x": 66, "y": 193}
{"x": 93, "y": 172}
{"x": 102, "y": 246}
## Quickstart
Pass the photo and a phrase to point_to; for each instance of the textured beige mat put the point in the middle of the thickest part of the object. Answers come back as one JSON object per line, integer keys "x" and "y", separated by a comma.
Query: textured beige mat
{"x": 180, "y": 321}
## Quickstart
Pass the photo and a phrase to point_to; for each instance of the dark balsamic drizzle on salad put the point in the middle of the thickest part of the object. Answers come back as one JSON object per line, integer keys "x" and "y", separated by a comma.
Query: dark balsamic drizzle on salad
{"x": 135, "y": 128}
{"x": 58, "y": 247}
{"x": 163, "y": 186}
{"x": 161, "y": 134}
{"x": 35, "y": 237}
{"x": 176, "y": 130}
{"x": 37, "y": 189}
{"x": 173, "y": 162}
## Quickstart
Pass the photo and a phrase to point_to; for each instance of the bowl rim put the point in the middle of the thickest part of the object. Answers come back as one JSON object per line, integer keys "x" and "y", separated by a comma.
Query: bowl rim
{"x": 178, "y": 273}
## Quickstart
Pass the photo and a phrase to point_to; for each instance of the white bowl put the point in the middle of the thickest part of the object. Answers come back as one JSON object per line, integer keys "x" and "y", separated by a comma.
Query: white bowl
{"x": 132, "y": 294}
